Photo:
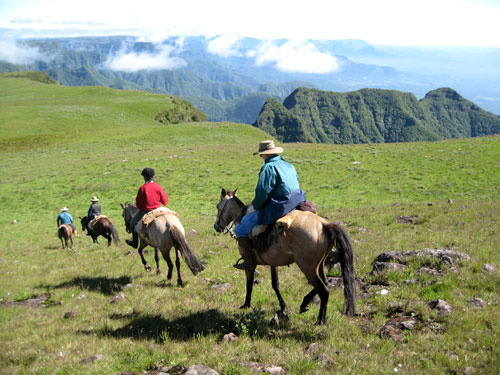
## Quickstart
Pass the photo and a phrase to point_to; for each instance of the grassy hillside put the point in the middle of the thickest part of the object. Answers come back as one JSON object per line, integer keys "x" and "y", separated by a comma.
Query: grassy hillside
{"x": 53, "y": 114}
{"x": 60, "y": 146}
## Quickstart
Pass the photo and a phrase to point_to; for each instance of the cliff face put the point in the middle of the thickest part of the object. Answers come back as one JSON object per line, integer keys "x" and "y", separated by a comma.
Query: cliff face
{"x": 374, "y": 115}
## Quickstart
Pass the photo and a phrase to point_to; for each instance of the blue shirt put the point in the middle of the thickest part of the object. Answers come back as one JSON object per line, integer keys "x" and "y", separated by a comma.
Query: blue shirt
{"x": 64, "y": 218}
{"x": 278, "y": 191}
{"x": 277, "y": 178}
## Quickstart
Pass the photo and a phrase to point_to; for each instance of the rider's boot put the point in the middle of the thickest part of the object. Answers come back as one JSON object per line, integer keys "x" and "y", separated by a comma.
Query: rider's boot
{"x": 248, "y": 262}
{"x": 135, "y": 241}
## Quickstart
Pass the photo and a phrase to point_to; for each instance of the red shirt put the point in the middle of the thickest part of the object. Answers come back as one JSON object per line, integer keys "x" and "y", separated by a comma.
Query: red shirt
{"x": 150, "y": 196}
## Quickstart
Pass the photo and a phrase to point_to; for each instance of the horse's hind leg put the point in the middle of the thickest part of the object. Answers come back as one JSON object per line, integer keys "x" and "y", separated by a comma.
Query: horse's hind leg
{"x": 157, "y": 260}
{"x": 276, "y": 288}
{"x": 318, "y": 280}
{"x": 178, "y": 266}
{"x": 108, "y": 237}
{"x": 307, "y": 300}
{"x": 166, "y": 256}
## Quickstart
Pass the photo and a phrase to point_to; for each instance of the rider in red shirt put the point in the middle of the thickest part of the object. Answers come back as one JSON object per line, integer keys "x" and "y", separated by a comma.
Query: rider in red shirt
{"x": 150, "y": 196}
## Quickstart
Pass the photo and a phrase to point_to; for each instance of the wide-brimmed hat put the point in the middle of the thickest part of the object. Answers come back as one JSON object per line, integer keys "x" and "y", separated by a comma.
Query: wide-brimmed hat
{"x": 95, "y": 199}
{"x": 64, "y": 209}
{"x": 268, "y": 147}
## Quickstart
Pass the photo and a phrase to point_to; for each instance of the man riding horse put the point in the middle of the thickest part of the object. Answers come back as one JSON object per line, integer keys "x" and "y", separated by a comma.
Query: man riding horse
{"x": 94, "y": 210}
{"x": 150, "y": 196}
{"x": 277, "y": 193}
{"x": 65, "y": 218}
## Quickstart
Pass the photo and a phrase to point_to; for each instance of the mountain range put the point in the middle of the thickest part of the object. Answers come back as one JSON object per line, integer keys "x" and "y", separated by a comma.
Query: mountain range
{"x": 230, "y": 80}
{"x": 374, "y": 116}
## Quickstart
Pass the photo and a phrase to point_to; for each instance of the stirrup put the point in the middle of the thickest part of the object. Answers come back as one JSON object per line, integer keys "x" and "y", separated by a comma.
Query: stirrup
{"x": 242, "y": 265}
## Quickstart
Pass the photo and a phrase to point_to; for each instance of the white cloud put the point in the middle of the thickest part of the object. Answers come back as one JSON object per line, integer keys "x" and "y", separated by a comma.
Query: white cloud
{"x": 295, "y": 57}
{"x": 133, "y": 62}
{"x": 224, "y": 45}
{"x": 15, "y": 53}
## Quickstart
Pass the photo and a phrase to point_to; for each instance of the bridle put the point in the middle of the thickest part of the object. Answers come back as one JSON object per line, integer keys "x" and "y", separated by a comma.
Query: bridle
{"x": 226, "y": 227}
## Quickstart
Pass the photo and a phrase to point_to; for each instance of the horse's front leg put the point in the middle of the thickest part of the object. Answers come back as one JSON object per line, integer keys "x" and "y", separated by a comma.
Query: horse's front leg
{"x": 141, "y": 247}
{"x": 108, "y": 237}
{"x": 250, "y": 279}
{"x": 71, "y": 239}
{"x": 276, "y": 287}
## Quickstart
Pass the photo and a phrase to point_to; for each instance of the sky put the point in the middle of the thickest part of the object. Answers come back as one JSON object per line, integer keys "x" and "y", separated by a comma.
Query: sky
{"x": 380, "y": 22}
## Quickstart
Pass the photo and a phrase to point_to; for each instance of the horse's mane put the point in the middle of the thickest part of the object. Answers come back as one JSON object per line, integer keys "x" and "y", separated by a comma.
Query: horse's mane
{"x": 241, "y": 204}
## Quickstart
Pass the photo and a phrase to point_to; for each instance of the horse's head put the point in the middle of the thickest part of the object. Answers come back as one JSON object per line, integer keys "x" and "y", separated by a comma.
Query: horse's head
{"x": 229, "y": 209}
{"x": 129, "y": 210}
{"x": 83, "y": 222}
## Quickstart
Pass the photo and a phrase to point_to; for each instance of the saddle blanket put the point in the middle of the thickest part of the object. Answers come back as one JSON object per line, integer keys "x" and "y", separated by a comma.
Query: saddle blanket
{"x": 160, "y": 211}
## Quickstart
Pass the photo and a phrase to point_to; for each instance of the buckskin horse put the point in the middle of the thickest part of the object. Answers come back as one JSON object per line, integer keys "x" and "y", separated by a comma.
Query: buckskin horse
{"x": 103, "y": 226}
{"x": 300, "y": 237}
{"x": 164, "y": 232}
{"x": 65, "y": 233}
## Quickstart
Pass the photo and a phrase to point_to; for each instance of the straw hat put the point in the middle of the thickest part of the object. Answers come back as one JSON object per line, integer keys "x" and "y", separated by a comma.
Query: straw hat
{"x": 64, "y": 209}
{"x": 94, "y": 199}
{"x": 268, "y": 147}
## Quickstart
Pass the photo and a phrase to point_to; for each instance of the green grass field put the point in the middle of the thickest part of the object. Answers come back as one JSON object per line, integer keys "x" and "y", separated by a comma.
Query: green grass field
{"x": 59, "y": 146}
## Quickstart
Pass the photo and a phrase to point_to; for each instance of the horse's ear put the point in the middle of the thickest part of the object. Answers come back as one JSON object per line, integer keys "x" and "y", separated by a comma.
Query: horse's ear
{"x": 223, "y": 193}
{"x": 235, "y": 190}
{"x": 121, "y": 204}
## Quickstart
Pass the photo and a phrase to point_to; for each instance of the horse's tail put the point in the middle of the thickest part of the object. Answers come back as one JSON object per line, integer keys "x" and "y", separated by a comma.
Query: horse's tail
{"x": 63, "y": 232}
{"x": 181, "y": 244}
{"x": 338, "y": 238}
{"x": 114, "y": 233}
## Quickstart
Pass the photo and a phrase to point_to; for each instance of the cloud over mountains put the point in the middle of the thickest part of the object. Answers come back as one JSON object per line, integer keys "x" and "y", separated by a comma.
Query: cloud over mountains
{"x": 128, "y": 61}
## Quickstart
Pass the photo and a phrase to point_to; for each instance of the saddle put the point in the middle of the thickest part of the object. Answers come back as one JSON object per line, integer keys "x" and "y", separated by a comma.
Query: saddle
{"x": 160, "y": 211}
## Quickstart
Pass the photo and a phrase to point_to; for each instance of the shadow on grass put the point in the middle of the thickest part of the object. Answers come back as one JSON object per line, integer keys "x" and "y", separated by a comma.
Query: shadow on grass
{"x": 105, "y": 285}
{"x": 155, "y": 327}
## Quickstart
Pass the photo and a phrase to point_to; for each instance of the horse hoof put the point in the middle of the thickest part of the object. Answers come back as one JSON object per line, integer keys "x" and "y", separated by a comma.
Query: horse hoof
{"x": 245, "y": 306}
{"x": 158, "y": 272}
{"x": 303, "y": 310}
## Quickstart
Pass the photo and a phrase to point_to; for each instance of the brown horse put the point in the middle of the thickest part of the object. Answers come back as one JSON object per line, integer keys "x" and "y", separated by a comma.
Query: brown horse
{"x": 300, "y": 237}
{"x": 103, "y": 226}
{"x": 163, "y": 233}
{"x": 65, "y": 233}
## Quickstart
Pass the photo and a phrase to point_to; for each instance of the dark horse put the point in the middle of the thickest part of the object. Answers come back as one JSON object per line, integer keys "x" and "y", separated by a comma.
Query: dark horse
{"x": 164, "y": 232}
{"x": 103, "y": 226}
{"x": 65, "y": 233}
{"x": 303, "y": 238}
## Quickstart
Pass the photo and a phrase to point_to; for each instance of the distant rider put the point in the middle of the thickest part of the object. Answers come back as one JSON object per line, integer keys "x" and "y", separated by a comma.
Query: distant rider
{"x": 277, "y": 193}
{"x": 65, "y": 218}
{"x": 94, "y": 210}
{"x": 149, "y": 197}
